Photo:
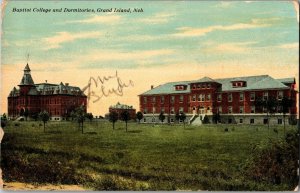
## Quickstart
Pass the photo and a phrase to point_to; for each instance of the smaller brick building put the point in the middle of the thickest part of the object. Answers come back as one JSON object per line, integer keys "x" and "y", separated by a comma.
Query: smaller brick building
{"x": 120, "y": 108}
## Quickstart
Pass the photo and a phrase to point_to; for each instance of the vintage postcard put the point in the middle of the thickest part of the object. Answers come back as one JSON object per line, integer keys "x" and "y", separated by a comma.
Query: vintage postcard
{"x": 150, "y": 95}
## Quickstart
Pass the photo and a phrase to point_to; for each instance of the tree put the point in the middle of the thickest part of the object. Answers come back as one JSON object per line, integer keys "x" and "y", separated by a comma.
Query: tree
{"x": 182, "y": 117}
{"x": 216, "y": 118}
{"x": 80, "y": 116}
{"x": 73, "y": 115}
{"x": 35, "y": 116}
{"x": 285, "y": 104}
{"x": 90, "y": 116}
{"x": 113, "y": 117}
{"x": 44, "y": 116}
{"x": 125, "y": 117}
{"x": 269, "y": 105}
{"x": 3, "y": 120}
{"x": 26, "y": 113}
{"x": 139, "y": 116}
{"x": 162, "y": 117}
{"x": 177, "y": 117}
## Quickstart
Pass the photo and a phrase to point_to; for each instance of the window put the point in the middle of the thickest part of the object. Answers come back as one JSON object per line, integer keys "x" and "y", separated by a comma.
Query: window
{"x": 252, "y": 109}
{"x": 194, "y": 86}
{"x": 202, "y": 97}
{"x": 203, "y": 86}
{"x": 162, "y": 99}
{"x": 279, "y": 95}
{"x": 279, "y": 121}
{"x": 219, "y": 97}
{"x": 172, "y": 110}
{"x": 241, "y": 120}
{"x": 153, "y": 99}
{"x": 194, "y": 97}
{"x": 266, "y": 121}
{"x": 163, "y": 109}
{"x": 220, "y": 110}
{"x": 229, "y": 121}
{"x": 172, "y": 99}
{"x": 266, "y": 94}
{"x": 145, "y": 110}
{"x": 208, "y": 85}
{"x": 180, "y": 109}
{"x": 145, "y": 100}
{"x": 145, "y": 120}
{"x": 251, "y": 121}
{"x": 252, "y": 96}
{"x": 241, "y": 109}
{"x": 172, "y": 120}
{"x": 199, "y": 86}
{"x": 230, "y": 110}
{"x": 230, "y": 97}
{"x": 199, "y": 97}
{"x": 181, "y": 98}
{"x": 153, "y": 110}
{"x": 153, "y": 120}
{"x": 208, "y": 97}
{"x": 241, "y": 96}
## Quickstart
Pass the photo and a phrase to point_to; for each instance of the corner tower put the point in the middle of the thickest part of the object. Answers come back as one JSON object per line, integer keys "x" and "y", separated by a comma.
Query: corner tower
{"x": 26, "y": 82}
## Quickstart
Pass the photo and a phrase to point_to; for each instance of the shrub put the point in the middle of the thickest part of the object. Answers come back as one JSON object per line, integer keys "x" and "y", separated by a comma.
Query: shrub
{"x": 205, "y": 120}
{"x": 275, "y": 161}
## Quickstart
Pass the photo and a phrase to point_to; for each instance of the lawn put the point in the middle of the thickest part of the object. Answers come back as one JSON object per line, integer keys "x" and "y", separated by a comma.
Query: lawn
{"x": 147, "y": 157}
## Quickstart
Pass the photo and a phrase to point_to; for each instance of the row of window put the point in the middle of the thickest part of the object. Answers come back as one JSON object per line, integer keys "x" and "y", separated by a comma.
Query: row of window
{"x": 162, "y": 99}
{"x": 162, "y": 109}
{"x": 252, "y": 121}
{"x": 44, "y": 102}
{"x": 201, "y": 86}
{"x": 207, "y": 97}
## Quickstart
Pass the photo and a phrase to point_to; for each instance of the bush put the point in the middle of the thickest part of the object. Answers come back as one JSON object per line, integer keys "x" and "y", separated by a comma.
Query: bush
{"x": 275, "y": 161}
{"x": 205, "y": 120}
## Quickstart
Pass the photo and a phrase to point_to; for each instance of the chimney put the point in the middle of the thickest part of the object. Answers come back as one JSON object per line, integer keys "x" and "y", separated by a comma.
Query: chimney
{"x": 152, "y": 86}
{"x": 46, "y": 81}
{"x": 67, "y": 84}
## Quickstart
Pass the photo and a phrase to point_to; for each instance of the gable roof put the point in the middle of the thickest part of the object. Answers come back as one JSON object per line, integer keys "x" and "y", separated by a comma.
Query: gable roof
{"x": 287, "y": 80}
{"x": 204, "y": 79}
{"x": 253, "y": 83}
{"x": 168, "y": 88}
{"x": 261, "y": 82}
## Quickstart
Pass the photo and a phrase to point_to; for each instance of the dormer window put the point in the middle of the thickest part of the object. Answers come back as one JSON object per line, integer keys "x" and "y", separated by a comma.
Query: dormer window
{"x": 237, "y": 84}
{"x": 182, "y": 87}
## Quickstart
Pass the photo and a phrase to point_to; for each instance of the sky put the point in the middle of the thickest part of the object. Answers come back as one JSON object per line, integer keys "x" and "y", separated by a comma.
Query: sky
{"x": 168, "y": 41}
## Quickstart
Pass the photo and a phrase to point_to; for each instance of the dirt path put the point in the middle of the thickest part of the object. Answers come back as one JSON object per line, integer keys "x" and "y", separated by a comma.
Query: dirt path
{"x": 48, "y": 187}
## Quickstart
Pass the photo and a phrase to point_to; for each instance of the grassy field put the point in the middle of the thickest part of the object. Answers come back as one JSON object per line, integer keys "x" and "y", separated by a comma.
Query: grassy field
{"x": 147, "y": 157}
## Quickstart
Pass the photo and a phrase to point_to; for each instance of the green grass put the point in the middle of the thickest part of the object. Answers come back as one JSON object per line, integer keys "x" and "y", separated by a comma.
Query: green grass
{"x": 147, "y": 157}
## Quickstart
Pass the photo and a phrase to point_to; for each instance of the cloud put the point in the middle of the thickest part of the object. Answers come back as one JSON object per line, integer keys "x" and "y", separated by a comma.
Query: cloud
{"x": 117, "y": 55}
{"x": 109, "y": 19}
{"x": 224, "y": 4}
{"x": 289, "y": 46}
{"x": 63, "y": 37}
{"x": 158, "y": 18}
{"x": 235, "y": 48}
{"x": 191, "y": 32}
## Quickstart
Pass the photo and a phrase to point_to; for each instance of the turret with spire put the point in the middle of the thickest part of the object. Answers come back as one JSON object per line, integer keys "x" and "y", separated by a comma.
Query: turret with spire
{"x": 26, "y": 82}
{"x": 27, "y": 79}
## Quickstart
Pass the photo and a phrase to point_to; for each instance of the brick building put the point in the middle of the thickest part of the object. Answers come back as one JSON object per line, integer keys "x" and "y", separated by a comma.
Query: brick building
{"x": 120, "y": 108}
{"x": 59, "y": 100}
{"x": 232, "y": 98}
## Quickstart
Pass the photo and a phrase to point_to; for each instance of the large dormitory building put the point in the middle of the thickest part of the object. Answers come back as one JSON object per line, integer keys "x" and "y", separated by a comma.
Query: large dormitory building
{"x": 232, "y": 98}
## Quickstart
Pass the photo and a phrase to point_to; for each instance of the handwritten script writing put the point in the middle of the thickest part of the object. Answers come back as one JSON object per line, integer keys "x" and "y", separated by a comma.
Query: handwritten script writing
{"x": 104, "y": 87}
